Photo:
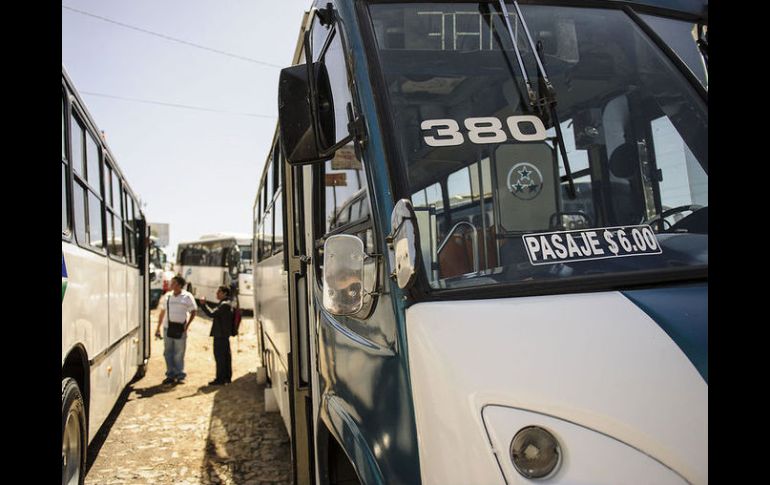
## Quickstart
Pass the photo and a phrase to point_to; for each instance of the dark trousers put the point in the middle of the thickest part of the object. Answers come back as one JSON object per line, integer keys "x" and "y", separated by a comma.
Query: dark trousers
{"x": 223, "y": 359}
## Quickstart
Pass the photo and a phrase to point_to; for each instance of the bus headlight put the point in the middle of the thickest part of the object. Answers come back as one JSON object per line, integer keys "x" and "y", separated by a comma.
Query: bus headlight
{"x": 535, "y": 452}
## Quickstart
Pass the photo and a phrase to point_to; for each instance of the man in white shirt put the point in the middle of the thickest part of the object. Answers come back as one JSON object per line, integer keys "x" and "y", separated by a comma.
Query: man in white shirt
{"x": 177, "y": 305}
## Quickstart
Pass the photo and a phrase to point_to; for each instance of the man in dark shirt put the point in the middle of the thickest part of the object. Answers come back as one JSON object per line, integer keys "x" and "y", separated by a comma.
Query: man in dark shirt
{"x": 221, "y": 329}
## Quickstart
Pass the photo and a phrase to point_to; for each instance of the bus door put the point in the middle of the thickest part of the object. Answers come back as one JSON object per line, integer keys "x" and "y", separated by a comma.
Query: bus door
{"x": 300, "y": 395}
{"x": 142, "y": 254}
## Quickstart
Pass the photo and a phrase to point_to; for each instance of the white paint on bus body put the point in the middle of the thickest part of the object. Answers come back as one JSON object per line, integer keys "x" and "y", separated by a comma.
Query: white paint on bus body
{"x": 595, "y": 361}
{"x": 272, "y": 301}
{"x": 100, "y": 306}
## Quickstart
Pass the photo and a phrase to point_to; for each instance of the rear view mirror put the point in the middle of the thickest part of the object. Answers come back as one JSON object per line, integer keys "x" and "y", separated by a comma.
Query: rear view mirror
{"x": 403, "y": 243}
{"x": 344, "y": 278}
{"x": 306, "y": 113}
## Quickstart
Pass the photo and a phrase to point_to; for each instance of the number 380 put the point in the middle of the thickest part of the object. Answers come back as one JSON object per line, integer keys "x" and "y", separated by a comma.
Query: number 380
{"x": 482, "y": 130}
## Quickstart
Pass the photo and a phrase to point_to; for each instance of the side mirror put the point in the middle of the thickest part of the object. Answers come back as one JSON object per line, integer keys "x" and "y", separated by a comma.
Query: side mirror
{"x": 404, "y": 243}
{"x": 306, "y": 113}
{"x": 348, "y": 276}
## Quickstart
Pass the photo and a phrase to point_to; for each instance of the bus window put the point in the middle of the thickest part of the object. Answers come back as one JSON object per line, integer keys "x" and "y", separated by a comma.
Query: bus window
{"x": 76, "y": 145}
{"x": 92, "y": 161}
{"x": 266, "y": 237}
{"x": 278, "y": 231}
{"x": 116, "y": 236}
{"x": 107, "y": 183}
{"x": 63, "y": 132}
{"x": 683, "y": 180}
{"x": 79, "y": 207}
{"x": 269, "y": 182}
{"x": 343, "y": 175}
{"x": 95, "y": 237}
{"x": 65, "y": 223}
{"x": 116, "y": 192}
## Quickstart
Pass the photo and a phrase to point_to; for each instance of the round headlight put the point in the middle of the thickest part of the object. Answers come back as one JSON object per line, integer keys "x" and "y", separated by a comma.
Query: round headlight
{"x": 535, "y": 452}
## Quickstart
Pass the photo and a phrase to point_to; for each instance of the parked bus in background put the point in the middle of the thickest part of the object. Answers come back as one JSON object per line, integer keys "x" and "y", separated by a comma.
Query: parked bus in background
{"x": 160, "y": 272}
{"x": 105, "y": 287}
{"x": 482, "y": 243}
{"x": 214, "y": 260}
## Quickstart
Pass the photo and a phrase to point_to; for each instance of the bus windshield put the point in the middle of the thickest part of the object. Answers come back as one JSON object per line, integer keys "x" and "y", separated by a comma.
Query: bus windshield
{"x": 494, "y": 199}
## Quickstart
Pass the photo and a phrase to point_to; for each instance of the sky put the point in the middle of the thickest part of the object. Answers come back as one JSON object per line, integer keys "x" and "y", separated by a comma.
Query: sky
{"x": 195, "y": 169}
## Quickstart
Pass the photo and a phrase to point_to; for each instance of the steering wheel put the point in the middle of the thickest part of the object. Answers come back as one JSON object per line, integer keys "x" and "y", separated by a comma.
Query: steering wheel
{"x": 661, "y": 218}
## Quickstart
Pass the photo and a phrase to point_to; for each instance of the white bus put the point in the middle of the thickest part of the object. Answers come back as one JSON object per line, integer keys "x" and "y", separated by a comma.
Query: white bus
{"x": 214, "y": 260}
{"x": 105, "y": 316}
{"x": 460, "y": 280}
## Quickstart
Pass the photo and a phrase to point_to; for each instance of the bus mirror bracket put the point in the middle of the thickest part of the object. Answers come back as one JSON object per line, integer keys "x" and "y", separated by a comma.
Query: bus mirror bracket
{"x": 349, "y": 277}
{"x": 403, "y": 244}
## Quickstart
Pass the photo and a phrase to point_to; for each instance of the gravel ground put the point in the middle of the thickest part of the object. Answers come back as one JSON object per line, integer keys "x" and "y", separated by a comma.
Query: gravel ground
{"x": 193, "y": 433}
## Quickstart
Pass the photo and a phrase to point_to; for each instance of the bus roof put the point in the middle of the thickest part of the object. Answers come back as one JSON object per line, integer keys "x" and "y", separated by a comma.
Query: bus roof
{"x": 222, "y": 236}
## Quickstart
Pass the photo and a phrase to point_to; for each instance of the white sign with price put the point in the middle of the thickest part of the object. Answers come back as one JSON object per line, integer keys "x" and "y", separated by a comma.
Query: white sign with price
{"x": 587, "y": 244}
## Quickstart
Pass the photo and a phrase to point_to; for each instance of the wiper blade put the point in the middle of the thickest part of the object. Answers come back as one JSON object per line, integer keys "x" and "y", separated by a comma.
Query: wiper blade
{"x": 533, "y": 104}
{"x": 549, "y": 100}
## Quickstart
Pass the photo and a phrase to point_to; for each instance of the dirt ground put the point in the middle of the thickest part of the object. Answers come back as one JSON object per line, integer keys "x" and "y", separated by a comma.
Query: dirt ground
{"x": 193, "y": 433}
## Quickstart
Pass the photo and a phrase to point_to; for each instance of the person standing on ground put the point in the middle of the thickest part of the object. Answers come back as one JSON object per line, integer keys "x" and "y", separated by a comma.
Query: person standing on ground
{"x": 222, "y": 327}
{"x": 178, "y": 306}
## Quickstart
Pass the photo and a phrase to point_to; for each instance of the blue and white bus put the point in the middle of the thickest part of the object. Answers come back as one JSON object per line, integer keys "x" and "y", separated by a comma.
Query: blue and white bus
{"x": 105, "y": 285}
{"x": 481, "y": 243}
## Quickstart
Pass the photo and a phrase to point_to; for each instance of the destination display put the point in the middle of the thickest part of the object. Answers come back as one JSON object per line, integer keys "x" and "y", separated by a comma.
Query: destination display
{"x": 587, "y": 244}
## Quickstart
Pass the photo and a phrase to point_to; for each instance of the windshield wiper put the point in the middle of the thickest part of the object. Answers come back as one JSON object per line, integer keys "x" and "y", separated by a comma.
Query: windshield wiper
{"x": 544, "y": 84}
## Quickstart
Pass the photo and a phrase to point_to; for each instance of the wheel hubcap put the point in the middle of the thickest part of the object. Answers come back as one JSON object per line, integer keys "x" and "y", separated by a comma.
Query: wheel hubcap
{"x": 71, "y": 451}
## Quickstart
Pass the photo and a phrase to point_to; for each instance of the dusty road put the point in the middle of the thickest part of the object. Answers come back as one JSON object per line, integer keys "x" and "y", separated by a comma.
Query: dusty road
{"x": 193, "y": 433}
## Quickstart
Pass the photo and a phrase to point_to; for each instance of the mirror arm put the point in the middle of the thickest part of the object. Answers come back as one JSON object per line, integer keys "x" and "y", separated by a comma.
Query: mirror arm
{"x": 356, "y": 131}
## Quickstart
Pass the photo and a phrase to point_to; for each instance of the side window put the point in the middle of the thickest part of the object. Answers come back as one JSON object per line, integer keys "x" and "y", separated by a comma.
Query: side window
{"x": 343, "y": 176}
{"x": 269, "y": 182}
{"x": 258, "y": 242}
{"x": 63, "y": 129}
{"x": 95, "y": 237}
{"x": 92, "y": 161}
{"x": 128, "y": 227}
{"x": 278, "y": 224}
{"x": 79, "y": 209}
{"x": 65, "y": 187}
{"x": 267, "y": 235}
{"x": 215, "y": 257}
{"x": 76, "y": 145}
{"x": 65, "y": 223}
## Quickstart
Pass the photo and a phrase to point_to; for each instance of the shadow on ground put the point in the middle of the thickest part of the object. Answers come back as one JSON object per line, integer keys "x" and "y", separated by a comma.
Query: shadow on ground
{"x": 245, "y": 444}
{"x": 104, "y": 431}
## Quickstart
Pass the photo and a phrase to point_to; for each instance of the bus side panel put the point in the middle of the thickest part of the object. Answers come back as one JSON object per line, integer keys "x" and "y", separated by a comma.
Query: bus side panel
{"x": 204, "y": 280}
{"x": 85, "y": 308}
{"x": 273, "y": 307}
{"x": 118, "y": 316}
{"x": 134, "y": 298}
{"x": 246, "y": 291}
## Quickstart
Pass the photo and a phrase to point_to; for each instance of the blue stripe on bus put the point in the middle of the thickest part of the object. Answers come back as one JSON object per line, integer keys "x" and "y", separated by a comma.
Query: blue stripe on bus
{"x": 682, "y": 312}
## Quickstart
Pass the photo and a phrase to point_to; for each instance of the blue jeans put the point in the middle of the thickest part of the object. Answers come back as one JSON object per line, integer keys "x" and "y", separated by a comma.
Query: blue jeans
{"x": 173, "y": 351}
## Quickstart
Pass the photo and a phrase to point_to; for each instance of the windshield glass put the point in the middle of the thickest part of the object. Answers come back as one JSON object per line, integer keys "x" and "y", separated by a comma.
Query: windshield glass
{"x": 157, "y": 257}
{"x": 489, "y": 187}
{"x": 245, "y": 253}
{"x": 682, "y": 37}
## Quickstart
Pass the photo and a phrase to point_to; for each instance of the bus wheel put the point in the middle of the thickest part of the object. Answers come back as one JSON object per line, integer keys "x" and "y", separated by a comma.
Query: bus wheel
{"x": 141, "y": 371}
{"x": 73, "y": 425}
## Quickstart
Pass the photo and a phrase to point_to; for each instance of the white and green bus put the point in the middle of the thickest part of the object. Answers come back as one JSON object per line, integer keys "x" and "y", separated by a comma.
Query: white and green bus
{"x": 105, "y": 289}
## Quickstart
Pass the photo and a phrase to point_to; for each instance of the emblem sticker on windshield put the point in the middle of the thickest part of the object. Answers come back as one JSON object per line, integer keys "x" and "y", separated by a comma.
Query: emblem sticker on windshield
{"x": 587, "y": 244}
{"x": 525, "y": 181}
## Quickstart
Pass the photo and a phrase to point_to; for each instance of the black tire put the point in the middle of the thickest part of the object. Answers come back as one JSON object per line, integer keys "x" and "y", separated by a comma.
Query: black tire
{"x": 74, "y": 438}
{"x": 141, "y": 371}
